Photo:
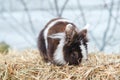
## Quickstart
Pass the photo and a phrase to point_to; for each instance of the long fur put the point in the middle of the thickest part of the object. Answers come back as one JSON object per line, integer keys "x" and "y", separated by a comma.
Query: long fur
{"x": 51, "y": 25}
{"x": 59, "y": 42}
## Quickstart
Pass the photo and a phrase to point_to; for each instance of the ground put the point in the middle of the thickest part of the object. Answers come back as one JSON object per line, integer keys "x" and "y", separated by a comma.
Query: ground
{"x": 28, "y": 65}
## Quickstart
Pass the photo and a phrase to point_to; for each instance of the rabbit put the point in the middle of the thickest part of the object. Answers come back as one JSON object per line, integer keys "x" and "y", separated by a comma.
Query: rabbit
{"x": 59, "y": 42}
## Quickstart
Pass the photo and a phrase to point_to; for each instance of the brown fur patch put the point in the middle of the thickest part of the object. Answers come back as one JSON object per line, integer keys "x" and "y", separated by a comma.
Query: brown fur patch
{"x": 72, "y": 52}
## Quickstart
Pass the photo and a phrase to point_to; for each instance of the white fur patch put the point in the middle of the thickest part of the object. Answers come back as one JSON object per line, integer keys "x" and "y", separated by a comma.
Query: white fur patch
{"x": 57, "y": 35}
{"x": 58, "y": 55}
{"x": 49, "y": 26}
{"x": 84, "y": 53}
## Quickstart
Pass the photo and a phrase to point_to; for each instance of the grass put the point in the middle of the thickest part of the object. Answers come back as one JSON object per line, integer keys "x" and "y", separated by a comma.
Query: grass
{"x": 27, "y": 65}
{"x": 4, "y": 47}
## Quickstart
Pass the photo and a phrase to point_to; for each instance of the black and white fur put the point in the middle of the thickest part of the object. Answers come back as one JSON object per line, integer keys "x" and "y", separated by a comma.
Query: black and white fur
{"x": 60, "y": 42}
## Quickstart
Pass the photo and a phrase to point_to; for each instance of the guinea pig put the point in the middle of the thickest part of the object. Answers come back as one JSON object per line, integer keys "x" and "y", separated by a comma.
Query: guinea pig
{"x": 59, "y": 42}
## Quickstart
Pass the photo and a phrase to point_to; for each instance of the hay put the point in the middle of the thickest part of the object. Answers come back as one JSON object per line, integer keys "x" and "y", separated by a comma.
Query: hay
{"x": 27, "y": 65}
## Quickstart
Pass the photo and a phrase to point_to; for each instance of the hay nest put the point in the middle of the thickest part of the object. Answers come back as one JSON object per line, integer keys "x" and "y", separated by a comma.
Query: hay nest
{"x": 27, "y": 65}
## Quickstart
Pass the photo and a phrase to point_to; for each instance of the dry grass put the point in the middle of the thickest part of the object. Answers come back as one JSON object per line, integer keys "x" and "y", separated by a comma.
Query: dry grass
{"x": 27, "y": 65}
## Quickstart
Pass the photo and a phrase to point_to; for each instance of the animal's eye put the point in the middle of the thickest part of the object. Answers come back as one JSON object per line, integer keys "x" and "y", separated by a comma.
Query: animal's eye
{"x": 77, "y": 40}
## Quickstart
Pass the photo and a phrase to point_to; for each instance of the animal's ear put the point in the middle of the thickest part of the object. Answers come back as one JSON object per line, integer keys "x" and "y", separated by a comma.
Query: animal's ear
{"x": 57, "y": 36}
{"x": 70, "y": 32}
{"x": 84, "y": 31}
